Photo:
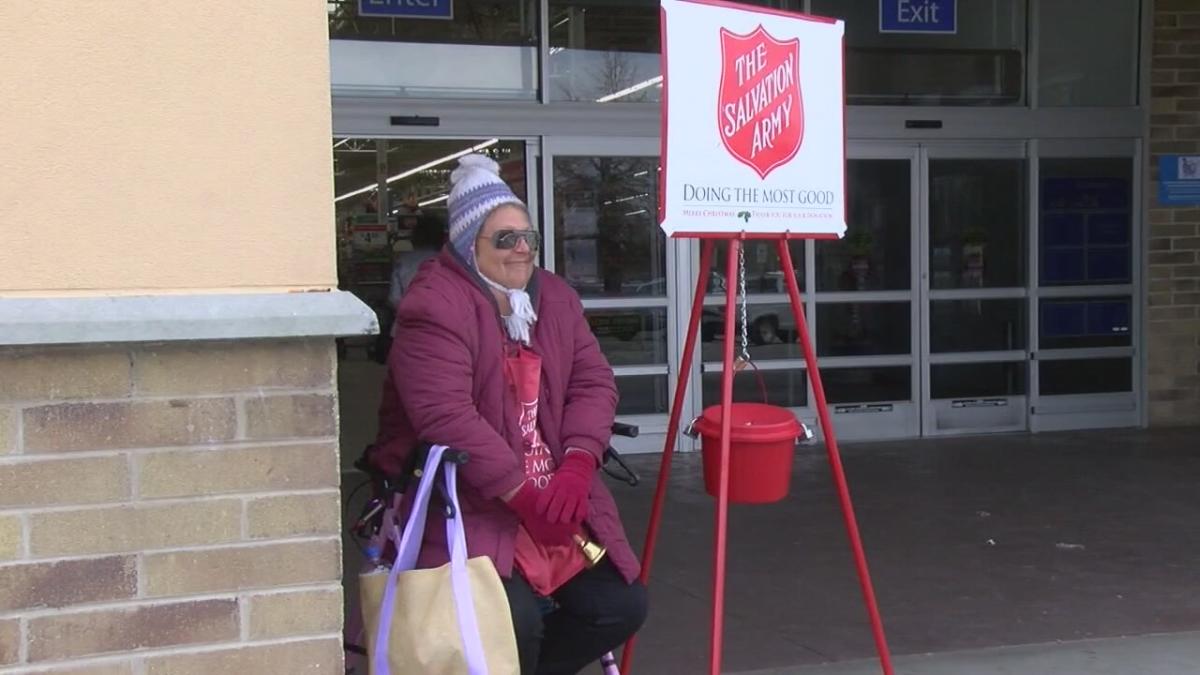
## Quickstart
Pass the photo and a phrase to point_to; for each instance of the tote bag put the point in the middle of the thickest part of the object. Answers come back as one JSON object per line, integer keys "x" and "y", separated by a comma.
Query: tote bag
{"x": 450, "y": 620}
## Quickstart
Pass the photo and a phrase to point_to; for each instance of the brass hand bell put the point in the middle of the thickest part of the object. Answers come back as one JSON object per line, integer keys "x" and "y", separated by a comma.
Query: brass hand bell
{"x": 592, "y": 551}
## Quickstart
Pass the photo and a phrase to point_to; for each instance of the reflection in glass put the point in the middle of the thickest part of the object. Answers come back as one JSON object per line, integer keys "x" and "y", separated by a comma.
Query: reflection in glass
{"x": 1085, "y": 323}
{"x": 383, "y": 186}
{"x": 863, "y": 328}
{"x": 977, "y": 223}
{"x": 980, "y": 63}
{"x": 764, "y": 273}
{"x": 485, "y": 50}
{"x": 364, "y": 262}
{"x": 604, "y": 51}
{"x": 609, "y": 51}
{"x": 771, "y": 332}
{"x": 875, "y": 253}
{"x": 607, "y": 240}
{"x": 1085, "y": 376}
{"x": 642, "y": 394}
{"x": 412, "y": 192}
{"x": 977, "y": 380}
{"x": 495, "y": 22}
{"x": 1086, "y": 221}
{"x": 1087, "y": 63}
{"x": 976, "y": 325}
{"x": 630, "y": 337}
{"x": 784, "y": 387}
{"x": 867, "y": 385}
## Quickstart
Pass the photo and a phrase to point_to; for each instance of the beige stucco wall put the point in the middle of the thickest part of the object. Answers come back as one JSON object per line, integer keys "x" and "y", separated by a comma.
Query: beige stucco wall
{"x": 164, "y": 146}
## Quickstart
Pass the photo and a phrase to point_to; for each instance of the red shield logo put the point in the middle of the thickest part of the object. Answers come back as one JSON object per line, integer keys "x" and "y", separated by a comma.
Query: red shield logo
{"x": 760, "y": 113}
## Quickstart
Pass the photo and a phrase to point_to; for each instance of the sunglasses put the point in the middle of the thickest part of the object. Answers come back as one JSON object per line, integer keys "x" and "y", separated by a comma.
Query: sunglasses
{"x": 506, "y": 240}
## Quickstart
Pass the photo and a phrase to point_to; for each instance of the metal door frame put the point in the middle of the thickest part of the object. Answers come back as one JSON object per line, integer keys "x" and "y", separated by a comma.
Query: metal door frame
{"x": 653, "y": 426}
{"x": 1088, "y": 411}
{"x": 1016, "y": 406}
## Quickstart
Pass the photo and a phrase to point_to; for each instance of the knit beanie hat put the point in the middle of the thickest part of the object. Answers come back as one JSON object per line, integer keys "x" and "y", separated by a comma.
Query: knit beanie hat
{"x": 476, "y": 190}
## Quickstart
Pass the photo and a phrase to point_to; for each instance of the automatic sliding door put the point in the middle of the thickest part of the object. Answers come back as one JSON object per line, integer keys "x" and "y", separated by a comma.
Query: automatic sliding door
{"x": 1085, "y": 374}
{"x": 607, "y": 244}
{"x": 976, "y": 289}
{"x": 865, "y": 323}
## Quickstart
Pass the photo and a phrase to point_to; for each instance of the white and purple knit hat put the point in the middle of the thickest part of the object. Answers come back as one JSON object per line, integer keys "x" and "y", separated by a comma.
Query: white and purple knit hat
{"x": 476, "y": 190}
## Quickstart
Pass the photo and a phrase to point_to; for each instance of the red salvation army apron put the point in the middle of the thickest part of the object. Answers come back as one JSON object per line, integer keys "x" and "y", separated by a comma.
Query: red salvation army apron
{"x": 545, "y": 567}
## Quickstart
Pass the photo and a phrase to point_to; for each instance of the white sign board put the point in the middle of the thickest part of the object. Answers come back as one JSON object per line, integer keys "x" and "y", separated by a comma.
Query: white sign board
{"x": 754, "y": 124}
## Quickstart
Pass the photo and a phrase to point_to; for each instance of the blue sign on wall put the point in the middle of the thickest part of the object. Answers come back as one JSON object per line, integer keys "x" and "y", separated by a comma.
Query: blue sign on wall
{"x": 918, "y": 16}
{"x": 1179, "y": 180}
{"x": 407, "y": 9}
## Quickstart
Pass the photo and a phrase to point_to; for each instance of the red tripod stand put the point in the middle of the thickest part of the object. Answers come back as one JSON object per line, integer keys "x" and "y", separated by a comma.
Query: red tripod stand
{"x": 735, "y": 241}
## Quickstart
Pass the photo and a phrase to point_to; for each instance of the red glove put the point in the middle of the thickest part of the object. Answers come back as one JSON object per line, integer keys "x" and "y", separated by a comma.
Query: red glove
{"x": 565, "y": 500}
{"x": 524, "y": 504}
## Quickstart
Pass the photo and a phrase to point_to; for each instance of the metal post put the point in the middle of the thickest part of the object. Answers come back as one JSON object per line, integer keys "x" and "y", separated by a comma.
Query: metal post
{"x": 685, "y": 369}
{"x": 727, "y": 374}
{"x": 835, "y": 462}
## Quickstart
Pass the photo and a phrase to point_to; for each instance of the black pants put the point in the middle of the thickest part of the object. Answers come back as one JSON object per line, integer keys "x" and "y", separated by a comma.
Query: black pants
{"x": 597, "y": 612}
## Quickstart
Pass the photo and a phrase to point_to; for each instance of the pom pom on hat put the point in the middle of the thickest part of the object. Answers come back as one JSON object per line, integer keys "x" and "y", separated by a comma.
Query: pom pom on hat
{"x": 476, "y": 190}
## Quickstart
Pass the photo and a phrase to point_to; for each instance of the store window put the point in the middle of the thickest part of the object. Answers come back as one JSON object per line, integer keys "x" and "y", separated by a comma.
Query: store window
{"x": 1088, "y": 54}
{"x": 382, "y": 187}
{"x": 977, "y": 325}
{"x": 607, "y": 51}
{"x": 604, "y": 51}
{"x": 444, "y": 49}
{"x": 977, "y": 60}
{"x": 977, "y": 222}
{"x": 978, "y": 380}
{"x": 642, "y": 395}
{"x": 1085, "y": 376}
{"x": 607, "y": 243}
{"x": 1085, "y": 323}
{"x": 1086, "y": 212}
{"x": 863, "y": 328}
{"x": 786, "y": 387}
{"x": 875, "y": 253}
{"x": 867, "y": 385}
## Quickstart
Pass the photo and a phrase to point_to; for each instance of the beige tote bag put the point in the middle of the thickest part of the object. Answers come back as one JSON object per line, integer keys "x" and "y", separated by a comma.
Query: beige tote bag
{"x": 451, "y": 620}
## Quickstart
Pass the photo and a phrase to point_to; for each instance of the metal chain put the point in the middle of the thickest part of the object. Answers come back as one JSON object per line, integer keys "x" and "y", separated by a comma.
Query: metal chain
{"x": 745, "y": 355}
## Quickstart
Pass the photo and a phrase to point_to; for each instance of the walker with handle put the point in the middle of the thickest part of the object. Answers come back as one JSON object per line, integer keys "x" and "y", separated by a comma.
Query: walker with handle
{"x": 382, "y": 508}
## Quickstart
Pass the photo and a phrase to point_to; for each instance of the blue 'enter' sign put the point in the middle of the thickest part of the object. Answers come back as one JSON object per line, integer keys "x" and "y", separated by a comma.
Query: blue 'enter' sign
{"x": 407, "y": 9}
{"x": 918, "y": 16}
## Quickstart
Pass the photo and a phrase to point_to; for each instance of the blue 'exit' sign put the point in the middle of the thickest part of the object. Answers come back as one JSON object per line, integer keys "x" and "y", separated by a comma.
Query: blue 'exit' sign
{"x": 407, "y": 9}
{"x": 918, "y": 16}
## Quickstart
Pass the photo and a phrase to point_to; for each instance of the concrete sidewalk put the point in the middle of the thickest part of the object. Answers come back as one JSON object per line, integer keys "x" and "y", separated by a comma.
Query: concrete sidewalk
{"x": 977, "y": 546}
{"x": 1174, "y": 654}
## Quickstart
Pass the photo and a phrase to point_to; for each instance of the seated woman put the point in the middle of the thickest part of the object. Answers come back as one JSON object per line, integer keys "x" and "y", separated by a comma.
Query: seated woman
{"x": 492, "y": 355}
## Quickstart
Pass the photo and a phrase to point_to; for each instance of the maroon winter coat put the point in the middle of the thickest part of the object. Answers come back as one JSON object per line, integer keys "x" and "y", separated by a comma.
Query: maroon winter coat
{"x": 446, "y": 385}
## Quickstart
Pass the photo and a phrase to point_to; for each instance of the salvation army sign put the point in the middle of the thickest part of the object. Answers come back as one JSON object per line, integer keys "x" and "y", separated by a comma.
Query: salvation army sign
{"x": 753, "y": 132}
{"x": 761, "y": 118}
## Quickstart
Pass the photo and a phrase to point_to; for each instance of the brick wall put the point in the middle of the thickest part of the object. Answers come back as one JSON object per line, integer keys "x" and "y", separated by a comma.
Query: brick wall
{"x": 1173, "y": 324}
{"x": 170, "y": 510}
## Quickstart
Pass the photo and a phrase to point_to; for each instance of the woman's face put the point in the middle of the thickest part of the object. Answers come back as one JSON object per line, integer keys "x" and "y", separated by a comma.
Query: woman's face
{"x": 509, "y": 267}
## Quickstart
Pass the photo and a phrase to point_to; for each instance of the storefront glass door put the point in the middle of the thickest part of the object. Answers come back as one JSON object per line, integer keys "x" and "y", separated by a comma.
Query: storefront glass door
{"x": 866, "y": 320}
{"x": 974, "y": 288}
{"x": 1085, "y": 372}
{"x": 981, "y": 287}
{"x": 858, "y": 301}
{"x": 602, "y": 236}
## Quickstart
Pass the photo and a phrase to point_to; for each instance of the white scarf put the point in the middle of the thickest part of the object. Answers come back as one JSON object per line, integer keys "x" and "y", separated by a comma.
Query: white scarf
{"x": 522, "y": 318}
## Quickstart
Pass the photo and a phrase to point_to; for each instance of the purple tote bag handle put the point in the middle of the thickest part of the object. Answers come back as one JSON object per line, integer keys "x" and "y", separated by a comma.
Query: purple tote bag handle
{"x": 408, "y": 545}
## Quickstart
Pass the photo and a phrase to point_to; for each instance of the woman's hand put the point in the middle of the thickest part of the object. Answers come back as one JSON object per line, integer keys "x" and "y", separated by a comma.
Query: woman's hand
{"x": 564, "y": 501}
{"x": 523, "y": 501}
